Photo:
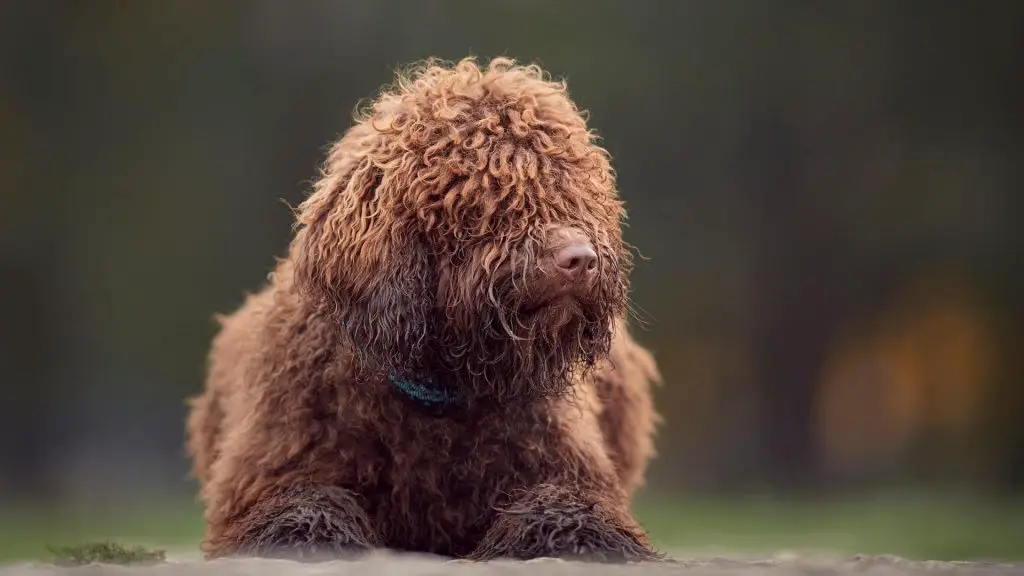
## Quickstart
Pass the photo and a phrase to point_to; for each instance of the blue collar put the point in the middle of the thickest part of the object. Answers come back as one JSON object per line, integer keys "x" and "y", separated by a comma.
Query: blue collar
{"x": 423, "y": 394}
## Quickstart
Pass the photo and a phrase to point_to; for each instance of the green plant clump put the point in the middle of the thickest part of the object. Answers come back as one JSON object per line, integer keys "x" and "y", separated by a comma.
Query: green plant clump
{"x": 104, "y": 553}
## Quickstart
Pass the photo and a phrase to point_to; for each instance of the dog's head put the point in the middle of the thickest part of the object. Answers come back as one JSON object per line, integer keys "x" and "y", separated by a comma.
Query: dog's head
{"x": 467, "y": 230}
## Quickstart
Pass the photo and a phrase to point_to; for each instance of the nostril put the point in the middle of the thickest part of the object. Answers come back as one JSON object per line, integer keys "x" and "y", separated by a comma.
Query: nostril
{"x": 576, "y": 258}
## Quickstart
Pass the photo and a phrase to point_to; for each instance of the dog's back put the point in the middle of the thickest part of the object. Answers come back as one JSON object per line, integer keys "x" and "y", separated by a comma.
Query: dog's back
{"x": 628, "y": 417}
{"x": 228, "y": 357}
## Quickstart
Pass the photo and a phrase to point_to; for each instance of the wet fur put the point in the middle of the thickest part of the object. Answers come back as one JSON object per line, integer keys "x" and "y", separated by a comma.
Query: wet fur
{"x": 418, "y": 254}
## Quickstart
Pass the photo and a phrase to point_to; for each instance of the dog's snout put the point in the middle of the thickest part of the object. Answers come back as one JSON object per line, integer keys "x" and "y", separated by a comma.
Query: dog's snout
{"x": 572, "y": 253}
{"x": 576, "y": 259}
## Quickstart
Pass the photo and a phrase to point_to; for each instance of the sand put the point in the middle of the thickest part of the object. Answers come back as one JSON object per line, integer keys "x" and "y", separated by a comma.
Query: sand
{"x": 398, "y": 565}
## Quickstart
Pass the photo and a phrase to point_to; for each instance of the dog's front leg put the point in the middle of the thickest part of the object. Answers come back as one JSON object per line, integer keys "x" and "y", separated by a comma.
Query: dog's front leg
{"x": 554, "y": 521}
{"x": 307, "y": 523}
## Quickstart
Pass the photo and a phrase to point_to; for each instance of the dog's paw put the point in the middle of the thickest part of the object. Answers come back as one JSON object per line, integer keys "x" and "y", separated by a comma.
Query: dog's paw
{"x": 307, "y": 534}
{"x": 310, "y": 526}
{"x": 569, "y": 529}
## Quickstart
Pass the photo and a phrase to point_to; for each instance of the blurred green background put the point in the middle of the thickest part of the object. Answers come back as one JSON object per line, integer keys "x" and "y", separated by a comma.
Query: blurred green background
{"x": 827, "y": 195}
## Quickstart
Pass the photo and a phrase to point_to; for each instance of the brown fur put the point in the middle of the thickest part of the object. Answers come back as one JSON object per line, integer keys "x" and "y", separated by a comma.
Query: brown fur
{"x": 419, "y": 253}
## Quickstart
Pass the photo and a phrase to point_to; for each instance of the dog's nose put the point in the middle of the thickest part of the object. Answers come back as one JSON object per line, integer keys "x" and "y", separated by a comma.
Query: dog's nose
{"x": 576, "y": 259}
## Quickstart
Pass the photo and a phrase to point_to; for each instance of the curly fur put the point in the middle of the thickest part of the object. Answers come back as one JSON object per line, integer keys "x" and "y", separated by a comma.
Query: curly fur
{"x": 550, "y": 517}
{"x": 420, "y": 254}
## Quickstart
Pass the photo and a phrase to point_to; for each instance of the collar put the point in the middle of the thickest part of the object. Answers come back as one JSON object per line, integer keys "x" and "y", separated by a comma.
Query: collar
{"x": 425, "y": 395}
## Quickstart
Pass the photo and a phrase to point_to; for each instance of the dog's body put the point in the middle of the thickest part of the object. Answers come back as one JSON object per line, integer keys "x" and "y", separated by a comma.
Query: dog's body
{"x": 426, "y": 483}
{"x": 312, "y": 438}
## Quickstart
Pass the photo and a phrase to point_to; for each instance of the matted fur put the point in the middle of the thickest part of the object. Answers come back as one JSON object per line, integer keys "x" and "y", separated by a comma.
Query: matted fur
{"x": 420, "y": 254}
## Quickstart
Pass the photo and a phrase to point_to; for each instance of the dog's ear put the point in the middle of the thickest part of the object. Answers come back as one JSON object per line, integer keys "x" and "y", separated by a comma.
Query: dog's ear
{"x": 330, "y": 226}
{"x": 355, "y": 258}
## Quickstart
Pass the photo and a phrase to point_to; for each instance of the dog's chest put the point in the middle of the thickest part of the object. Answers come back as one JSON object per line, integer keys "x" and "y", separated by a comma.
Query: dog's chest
{"x": 444, "y": 479}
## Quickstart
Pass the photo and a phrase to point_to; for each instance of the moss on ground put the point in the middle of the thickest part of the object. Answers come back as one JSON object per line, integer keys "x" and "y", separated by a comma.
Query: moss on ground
{"x": 104, "y": 553}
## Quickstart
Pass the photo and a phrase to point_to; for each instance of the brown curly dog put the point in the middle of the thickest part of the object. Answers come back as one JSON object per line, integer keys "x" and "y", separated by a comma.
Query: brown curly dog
{"x": 441, "y": 362}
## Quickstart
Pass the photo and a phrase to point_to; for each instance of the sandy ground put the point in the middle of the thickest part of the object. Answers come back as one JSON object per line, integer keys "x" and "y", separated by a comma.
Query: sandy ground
{"x": 393, "y": 565}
